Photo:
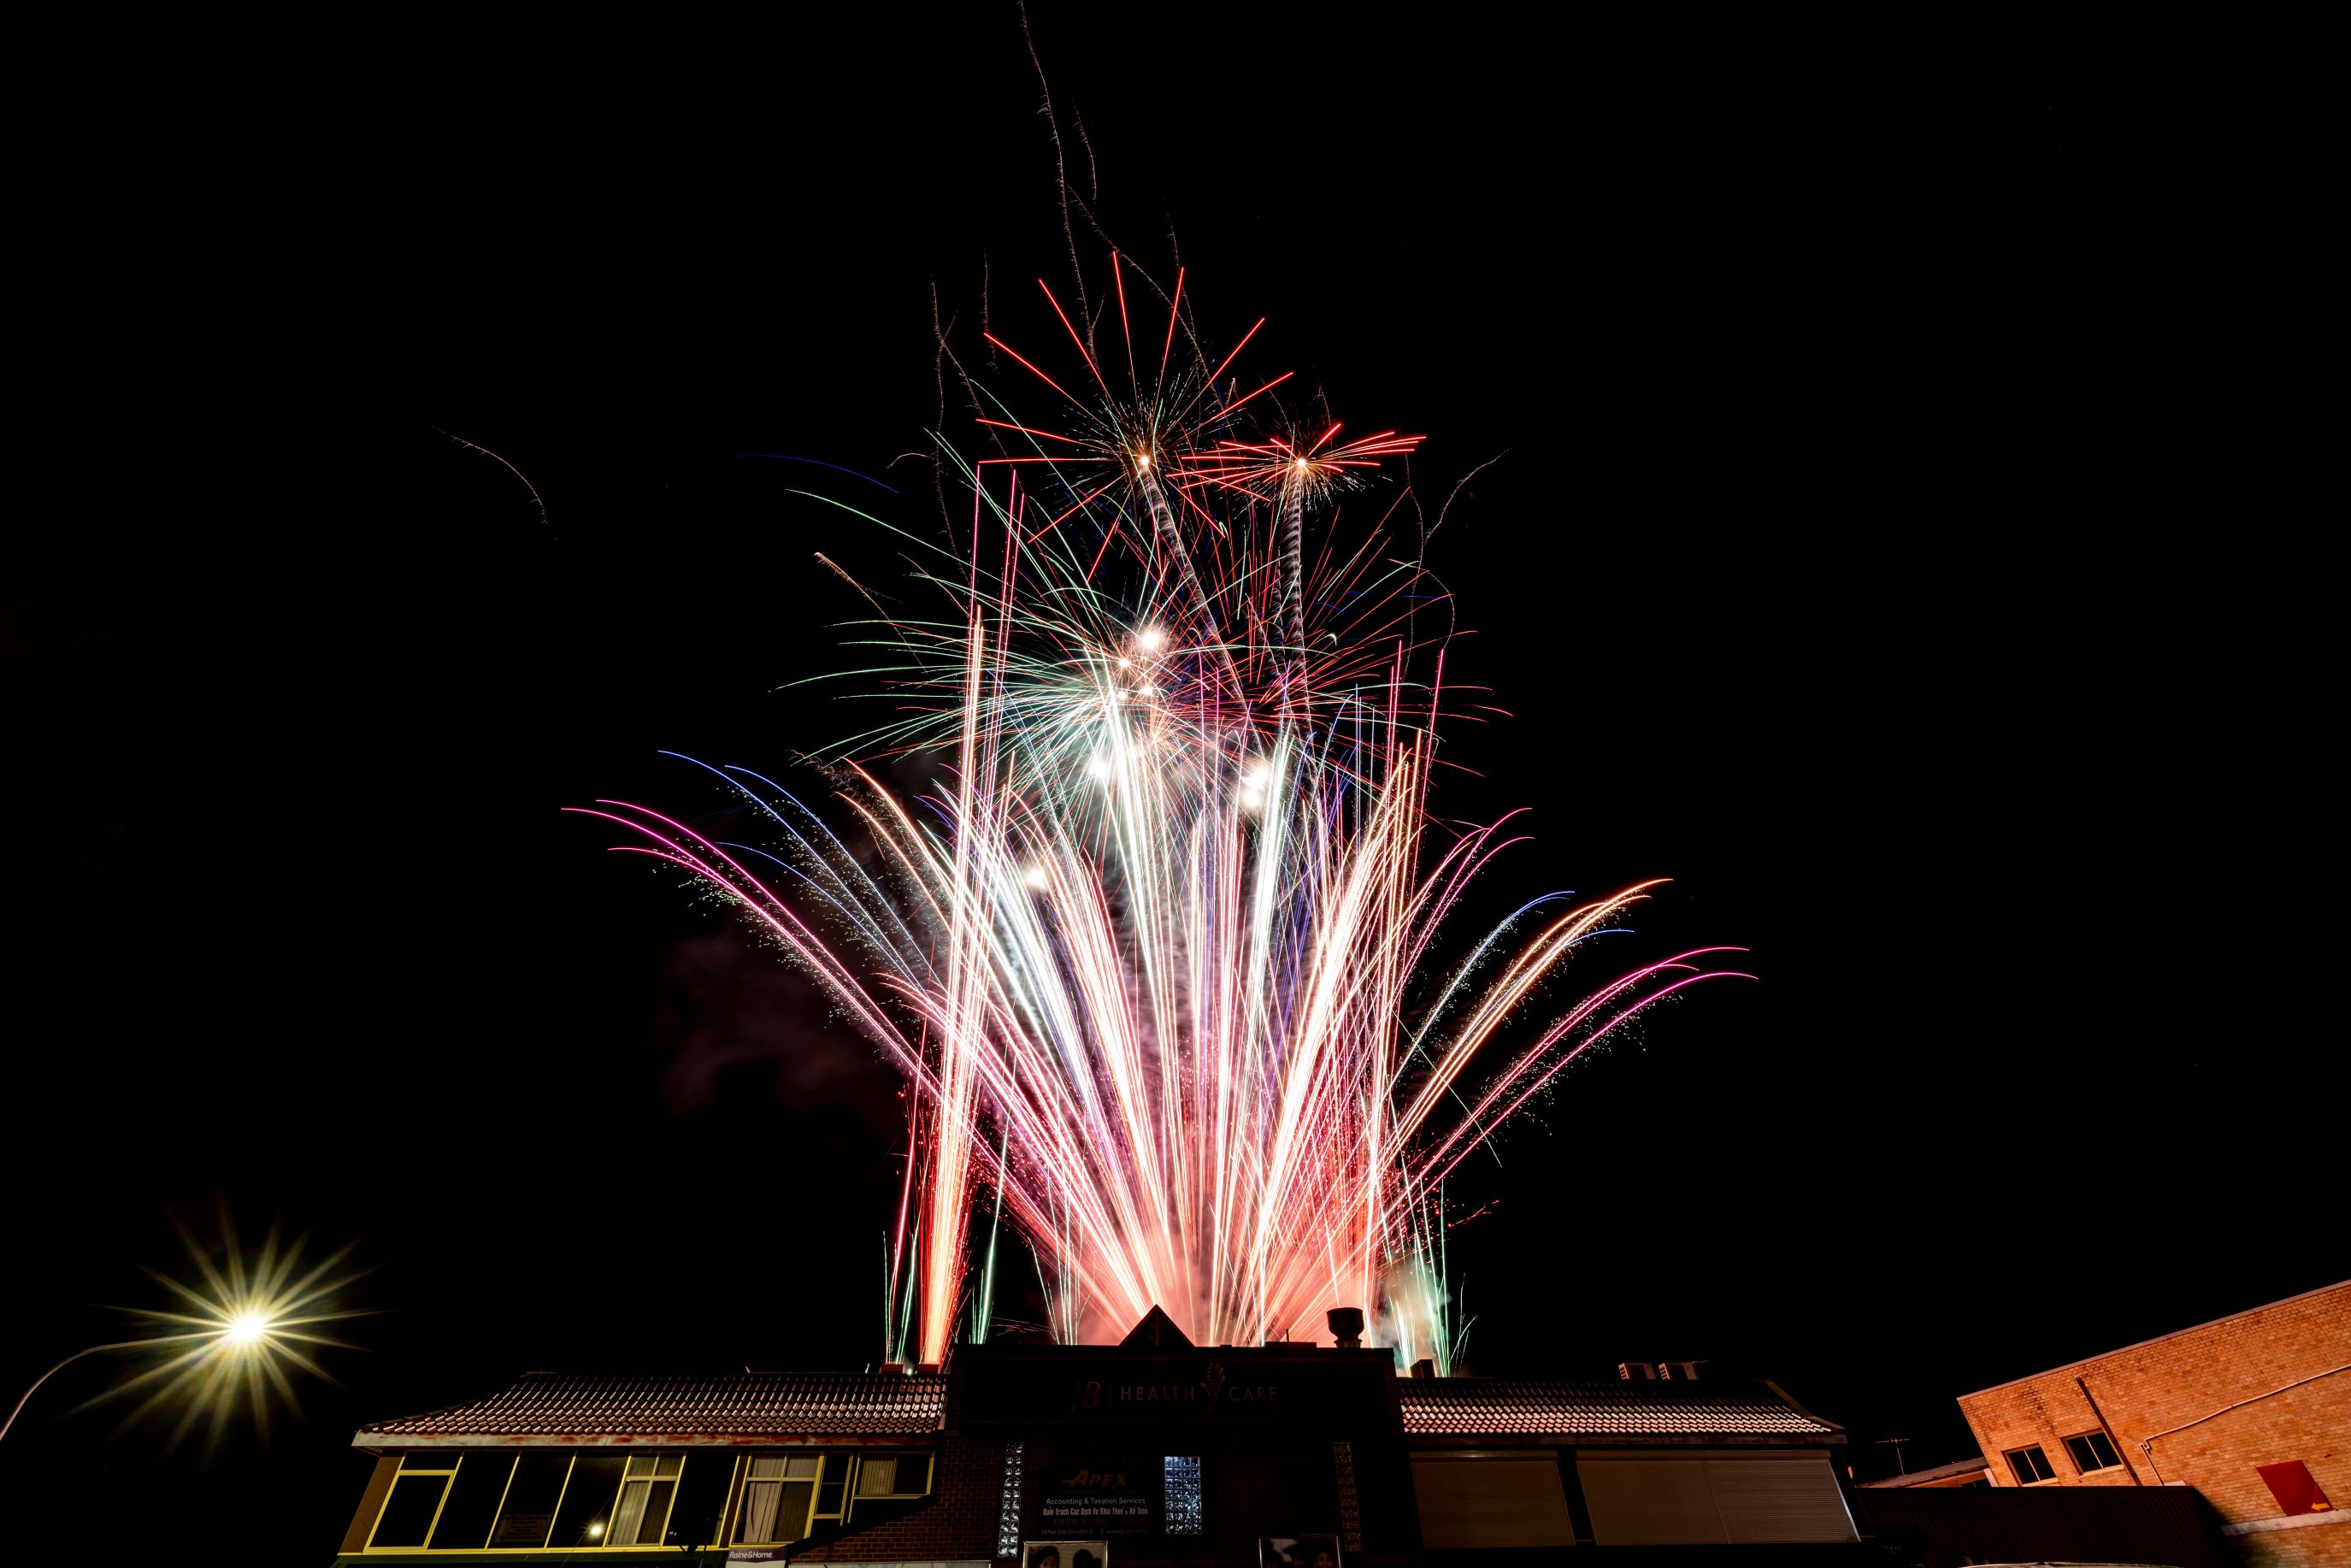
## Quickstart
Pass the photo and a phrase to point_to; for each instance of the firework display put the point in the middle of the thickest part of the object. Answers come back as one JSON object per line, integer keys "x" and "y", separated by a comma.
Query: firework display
{"x": 1163, "y": 952}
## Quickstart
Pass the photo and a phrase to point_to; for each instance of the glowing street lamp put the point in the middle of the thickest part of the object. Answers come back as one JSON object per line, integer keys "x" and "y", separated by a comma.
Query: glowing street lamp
{"x": 246, "y": 1323}
{"x": 246, "y": 1332}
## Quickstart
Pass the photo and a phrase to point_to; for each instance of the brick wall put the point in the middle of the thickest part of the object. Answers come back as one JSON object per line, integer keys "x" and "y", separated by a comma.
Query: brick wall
{"x": 2194, "y": 1376}
{"x": 958, "y": 1524}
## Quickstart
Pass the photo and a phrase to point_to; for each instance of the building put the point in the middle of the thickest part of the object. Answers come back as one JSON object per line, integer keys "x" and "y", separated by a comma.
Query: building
{"x": 1958, "y": 1473}
{"x": 2253, "y": 1411}
{"x": 1162, "y": 1452}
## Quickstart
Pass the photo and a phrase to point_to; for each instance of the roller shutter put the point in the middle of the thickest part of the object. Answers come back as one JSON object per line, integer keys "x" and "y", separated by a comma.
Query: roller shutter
{"x": 1492, "y": 1500}
{"x": 1688, "y": 1499}
{"x": 1779, "y": 1497}
{"x": 1648, "y": 1501}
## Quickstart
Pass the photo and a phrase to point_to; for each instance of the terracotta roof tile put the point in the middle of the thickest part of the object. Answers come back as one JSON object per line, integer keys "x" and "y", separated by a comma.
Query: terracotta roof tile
{"x": 1471, "y": 1407}
{"x": 741, "y": 1404}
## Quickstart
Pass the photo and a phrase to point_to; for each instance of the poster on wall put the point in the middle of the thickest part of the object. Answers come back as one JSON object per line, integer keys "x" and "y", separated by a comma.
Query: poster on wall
{"x": 1064, "y": 1554}
{"x": 1298, "y": 1552}
{"x": 1098, "y": 1498}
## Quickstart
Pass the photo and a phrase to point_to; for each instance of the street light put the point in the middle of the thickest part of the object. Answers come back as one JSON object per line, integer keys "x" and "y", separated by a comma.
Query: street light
{"x": 52, "y": 1372}
{"x": 244, "y": 1331}
{"x": 247, "y": 1321}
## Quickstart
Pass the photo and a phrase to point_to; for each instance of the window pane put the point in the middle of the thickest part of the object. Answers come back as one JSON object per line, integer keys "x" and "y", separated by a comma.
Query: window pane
{"x": 832, "y": 1484}
{"x": 1181, "y": 1506}
{"x": 758, "y": 1511}
{"x": 801, "y": 1469}
{"x": 765, "y": 1467}
{"x": 473, "y": 1502}
{"x": 650, "y": 1531}
{"x": 701, "y": 1495}
{"x": 408, "y": 1511}
{"x": 530, "y": 1500}
{"x": 587, "y": 1502}
{"x": 631, "y": 1509}
{"x": 774, "y": 1510}
{"x": 667, "y": 1464}
{"x": 2092, "y": 1451}
{"x": 2029, "y": 1465}
{"x": 877, "y": 1478}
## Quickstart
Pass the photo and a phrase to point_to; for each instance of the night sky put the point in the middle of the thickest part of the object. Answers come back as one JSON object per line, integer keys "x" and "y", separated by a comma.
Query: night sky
{"x": 1882, "y": 545}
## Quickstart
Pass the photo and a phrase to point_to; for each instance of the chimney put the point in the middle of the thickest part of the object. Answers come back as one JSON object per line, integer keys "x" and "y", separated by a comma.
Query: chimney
{"x": 1424, "y": 1367}
{"x": 1637, "y": 1370}
{"x": 1346, "y": 1326}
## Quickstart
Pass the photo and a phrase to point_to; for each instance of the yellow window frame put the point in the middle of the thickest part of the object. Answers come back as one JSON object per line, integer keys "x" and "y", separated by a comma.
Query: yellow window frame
{"x": 900, "y": 1458}
{"x": 448, "y": 1478}
{"x": 676, "y": 1478}
{"x": 745, "y": 1480}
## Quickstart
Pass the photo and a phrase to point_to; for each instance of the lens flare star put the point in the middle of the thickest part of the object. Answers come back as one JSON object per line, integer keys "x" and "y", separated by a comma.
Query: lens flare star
{"x": 237, "y": 1334}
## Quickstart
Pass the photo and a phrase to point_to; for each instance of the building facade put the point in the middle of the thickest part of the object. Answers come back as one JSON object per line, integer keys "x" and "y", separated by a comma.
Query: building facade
{"x": 2253, "y": 1411}
{"x": 1150, "y": 1453}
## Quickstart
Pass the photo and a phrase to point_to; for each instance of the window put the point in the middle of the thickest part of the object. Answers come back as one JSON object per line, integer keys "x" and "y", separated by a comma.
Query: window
{"x": 777, "y": 1491}
{"x": 587, "y": 1507}
{"x": 832, "y": 1487}
{"x": 2093, "y": 1451}
{"x": 1181, "y": 1503}
{"x": 1351, "y": 1509}
{"x": 894, "y": 1475}
{"x": 787, "y": 1496}
{"x": 537, "y": 1500}
{"x": 473, "y": 1502}
{"x": 1007, "y": 1505}
{"x": 646, "y": 1488}
{"x": 414, "y": 1502}
{"x": 528, "y": 1511}
{"x": 698, "y": 1513}
{"x": 2029, "y": 1465}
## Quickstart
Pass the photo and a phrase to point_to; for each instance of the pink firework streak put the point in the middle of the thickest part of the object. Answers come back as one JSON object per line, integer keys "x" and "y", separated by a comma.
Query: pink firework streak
{"x": 1151, "y": 958}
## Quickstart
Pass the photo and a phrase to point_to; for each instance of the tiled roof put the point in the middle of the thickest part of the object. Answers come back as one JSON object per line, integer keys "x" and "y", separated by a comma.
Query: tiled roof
{"x": 741, "y": 1404}
{"x": 1477, "y": 1406}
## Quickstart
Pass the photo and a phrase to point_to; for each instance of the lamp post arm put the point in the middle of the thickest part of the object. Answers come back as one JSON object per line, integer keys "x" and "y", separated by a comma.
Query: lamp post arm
{"x": 88, "y": 1350}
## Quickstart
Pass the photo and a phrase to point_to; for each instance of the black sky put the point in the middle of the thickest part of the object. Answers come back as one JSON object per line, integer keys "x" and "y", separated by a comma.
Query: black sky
{"x": 1888, "y": 543}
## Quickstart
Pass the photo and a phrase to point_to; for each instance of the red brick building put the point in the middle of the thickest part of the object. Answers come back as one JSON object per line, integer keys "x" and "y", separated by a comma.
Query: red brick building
{"x": 2253, "y": 1410}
